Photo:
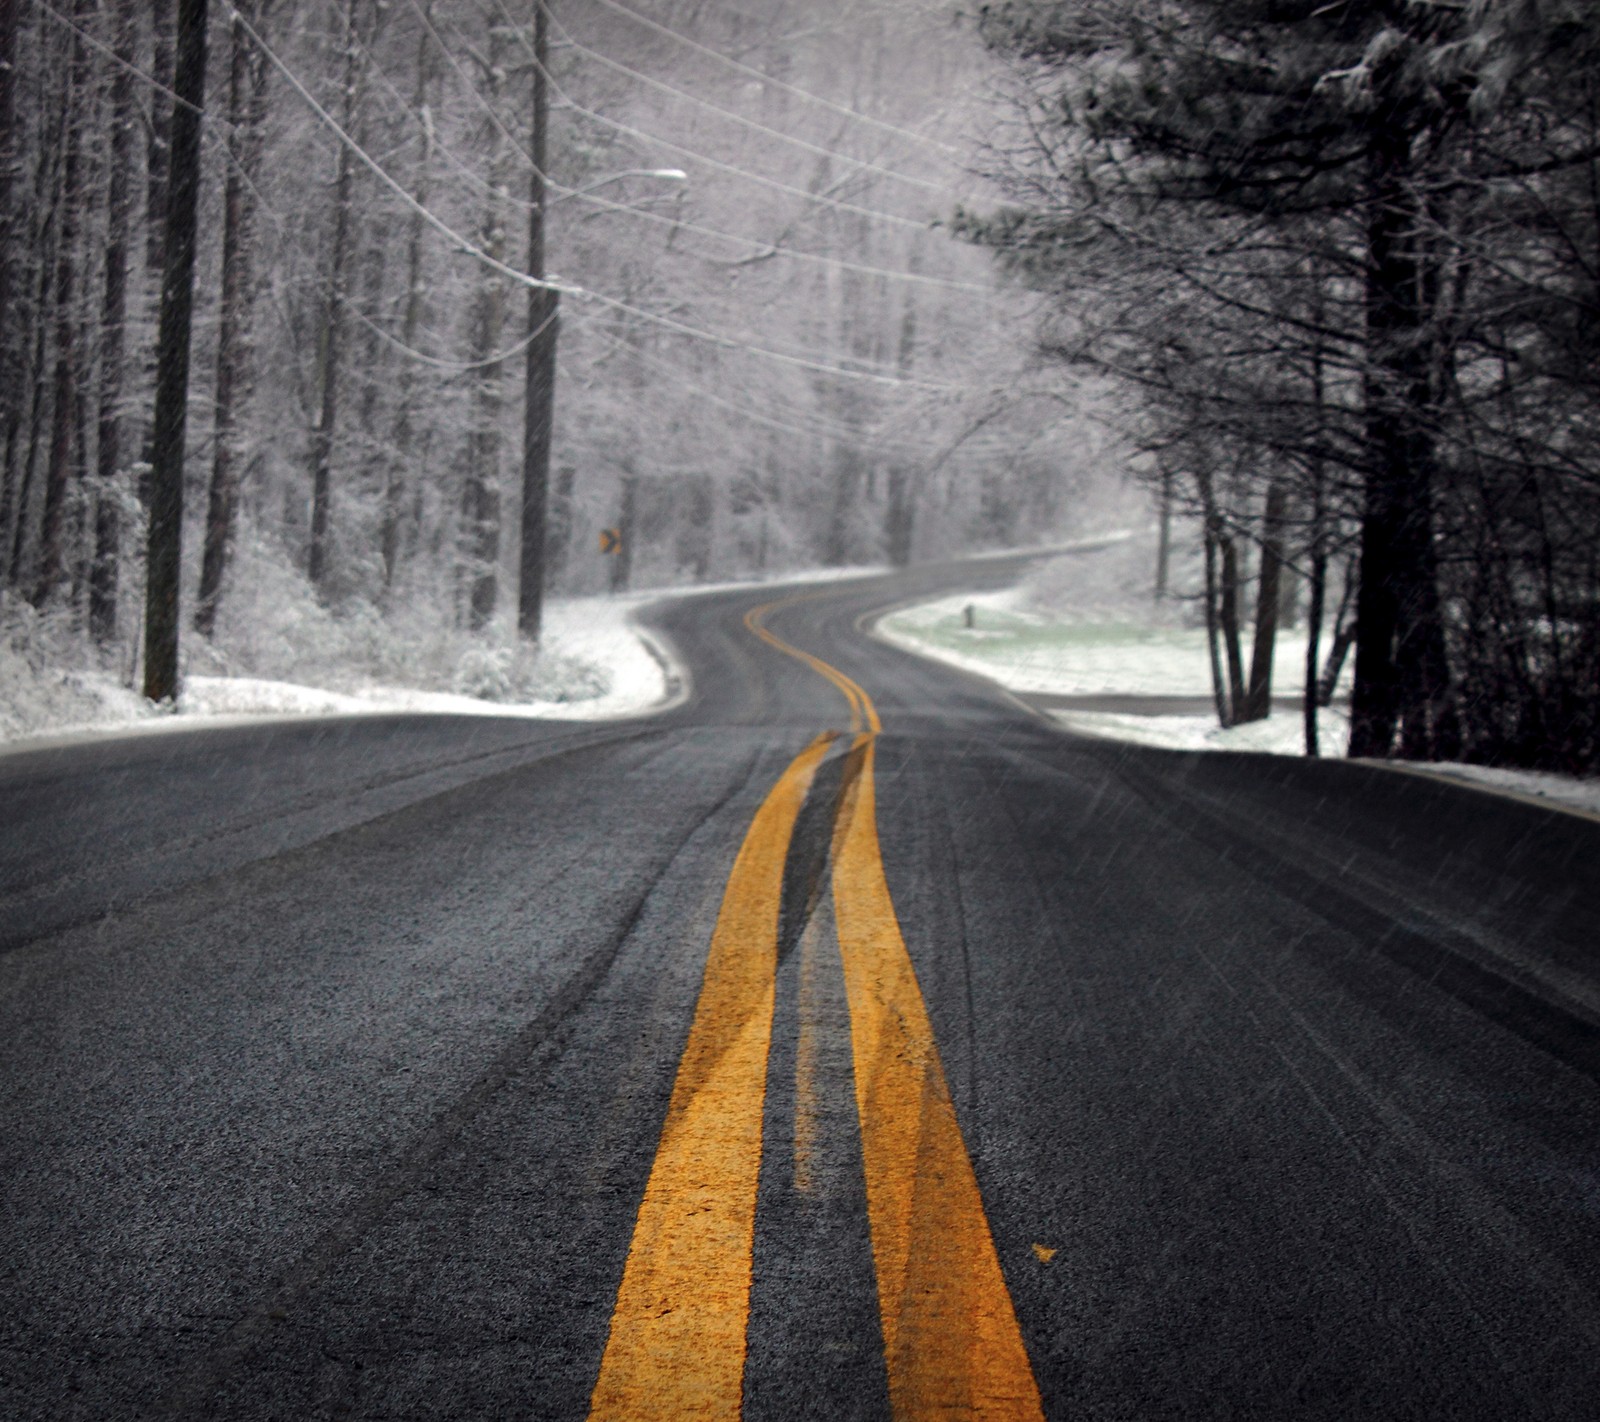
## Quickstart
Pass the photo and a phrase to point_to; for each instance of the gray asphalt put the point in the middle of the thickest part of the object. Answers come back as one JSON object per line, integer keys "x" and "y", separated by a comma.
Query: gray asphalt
{"x": 335, "y": 1055}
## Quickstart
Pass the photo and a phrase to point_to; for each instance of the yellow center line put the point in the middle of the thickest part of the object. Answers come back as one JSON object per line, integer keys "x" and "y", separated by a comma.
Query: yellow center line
{"x": 951, "y": 1340}
{"x": 863, "y": 714}
{"x": 677, "y": 1342}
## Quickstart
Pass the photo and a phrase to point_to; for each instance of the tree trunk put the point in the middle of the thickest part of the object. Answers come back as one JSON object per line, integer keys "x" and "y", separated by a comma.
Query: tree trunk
{"x": 698, "y": 521}
{"x": 394, "y": 493}
{"x": 36, "y": 380}
{"x": 898, "y": 515}
{"x": 1219, "y": 687}
{"x": 1318, "y": 584}
{"x": 165, "y": 557}
{"x": 247, "y": 94}
{"x": 1258, "y": 701}
{"x": 52, "y": 553}
{"x": 1402, "y": 677}
{"x": 158, "y": 163}
{"x": 158, "y": 139}
{"x": 622, "y": 559}
{"x": 1317, "y": 535}
{"x": 899, "y": 511}
{"x": 333, "y": 323}
{"x": 1228, "y": 616}
{"x": 481, "y": 492}
{"x": 1317, "y": 549}
{"x": 558, "y": 540}
{"x": 105, "y": 570}
{"x": 539, "y": 392}
{"x": 1344, "y": 636}
{"x": 839, "y": 546}
{"x": 10, "y": 326}
{"x": 1164, "y": 537}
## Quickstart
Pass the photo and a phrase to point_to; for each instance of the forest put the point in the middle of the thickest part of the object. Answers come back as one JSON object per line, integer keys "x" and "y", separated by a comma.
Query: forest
{"x": 500, "y": 299}
{"x": 1342, "y": 261}
{"x": 719, "y": 228}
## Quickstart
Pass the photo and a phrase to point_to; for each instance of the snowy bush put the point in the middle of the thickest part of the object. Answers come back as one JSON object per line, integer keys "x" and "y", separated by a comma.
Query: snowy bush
{"x": 50, "y": 678}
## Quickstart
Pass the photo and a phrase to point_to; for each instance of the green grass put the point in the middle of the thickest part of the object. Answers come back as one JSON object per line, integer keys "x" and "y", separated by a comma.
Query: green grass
{"x": 1005, "y": 635}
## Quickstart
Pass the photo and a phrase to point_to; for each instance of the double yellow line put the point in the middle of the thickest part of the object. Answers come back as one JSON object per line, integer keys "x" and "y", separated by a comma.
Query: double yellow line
{"x": 677, "y": 1343}
{"x": 863, "y": 714}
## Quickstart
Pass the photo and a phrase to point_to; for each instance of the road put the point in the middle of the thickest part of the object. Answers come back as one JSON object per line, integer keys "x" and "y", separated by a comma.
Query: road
{"x": 747, "y": 1055}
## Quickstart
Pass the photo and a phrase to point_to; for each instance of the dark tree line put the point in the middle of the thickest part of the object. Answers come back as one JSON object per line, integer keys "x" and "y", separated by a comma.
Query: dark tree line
{"x": 1345, "y": 260}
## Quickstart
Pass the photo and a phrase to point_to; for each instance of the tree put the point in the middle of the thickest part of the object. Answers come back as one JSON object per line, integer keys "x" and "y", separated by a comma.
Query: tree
{"x": 164, "y": 556}
{"x": 10, "y": 363}
{"x": 766, "y": 385}
{"x": 335, "y": 296}
{"x": 1308, "y": 183}
{"x": 66, "y": 395}
{"x": 106, "y": 559}
{"x": 247, "y": 95}
{"x": 480, "y": 491}
{"x": 394, "y": 495}
{"x": 543, "y": 330}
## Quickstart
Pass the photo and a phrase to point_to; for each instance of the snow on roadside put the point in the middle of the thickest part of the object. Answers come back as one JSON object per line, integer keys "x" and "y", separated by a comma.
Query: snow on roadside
{"x": 1031, "y": 650}
{"x": 1277, "y": 735}
{"x": 1526, "y": 784}
{"x": 594, "y": 663}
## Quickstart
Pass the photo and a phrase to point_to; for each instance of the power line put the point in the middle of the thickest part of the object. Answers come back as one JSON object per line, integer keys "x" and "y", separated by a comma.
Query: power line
{"x": 822, "y": 430}
{"x": 810, "y": 430}
{"x": 694, "y": 155}
{"x": 874, "y": 214}
{"x": 773, "y": 249}
{"x": 469, "y": 248}
{"x": 472, "y": 88}
{"x": 461, "y": 243}
{"x": 768, "y": 79}
{"x": 749, "y": 123}
{"x": 822, "y": 367}
{"x": 120, "y": 62}
{"x": 761, "y": 248}
{"x": 453, "y": 367}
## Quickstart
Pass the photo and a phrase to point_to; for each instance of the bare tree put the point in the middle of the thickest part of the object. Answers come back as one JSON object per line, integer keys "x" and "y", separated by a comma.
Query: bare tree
{"x": 164, "y": 556}
{"x": 65, "y": 383}
{"x": 335, "y": 295}
{"x": 105, "y": 566}
{"x": 247, "y": 97}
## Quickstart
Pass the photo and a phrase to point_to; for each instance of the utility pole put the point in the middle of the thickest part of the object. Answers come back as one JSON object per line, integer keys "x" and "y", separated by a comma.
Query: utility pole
{"x": 543, "y": 323}
{"x": 164, "y": 559}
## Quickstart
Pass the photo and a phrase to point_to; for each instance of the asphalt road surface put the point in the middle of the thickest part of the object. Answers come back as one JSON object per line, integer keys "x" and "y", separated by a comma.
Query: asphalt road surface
{"x": 748, "y": 1056}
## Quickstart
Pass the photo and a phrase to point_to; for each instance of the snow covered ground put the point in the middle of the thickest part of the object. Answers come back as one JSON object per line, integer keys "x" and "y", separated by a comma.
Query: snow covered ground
{"x": 1028, "y": 649}
{"x": 1039, "y": 638}
{"x": 594, "y": 663}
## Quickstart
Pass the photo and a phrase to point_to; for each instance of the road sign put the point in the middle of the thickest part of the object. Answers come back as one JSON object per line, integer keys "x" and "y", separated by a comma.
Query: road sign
{"x": 610, "y": 540}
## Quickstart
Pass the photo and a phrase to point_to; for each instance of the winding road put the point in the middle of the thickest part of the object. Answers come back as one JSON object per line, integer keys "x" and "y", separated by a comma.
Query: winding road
{"x": 844, "y": 1041}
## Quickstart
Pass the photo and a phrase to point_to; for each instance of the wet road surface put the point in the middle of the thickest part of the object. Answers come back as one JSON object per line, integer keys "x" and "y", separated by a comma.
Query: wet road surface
{"x": 752, "y": 1057}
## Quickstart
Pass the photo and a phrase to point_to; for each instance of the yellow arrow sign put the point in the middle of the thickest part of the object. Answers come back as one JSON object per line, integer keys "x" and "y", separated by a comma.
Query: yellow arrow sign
{"x": 610, "y": 540}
